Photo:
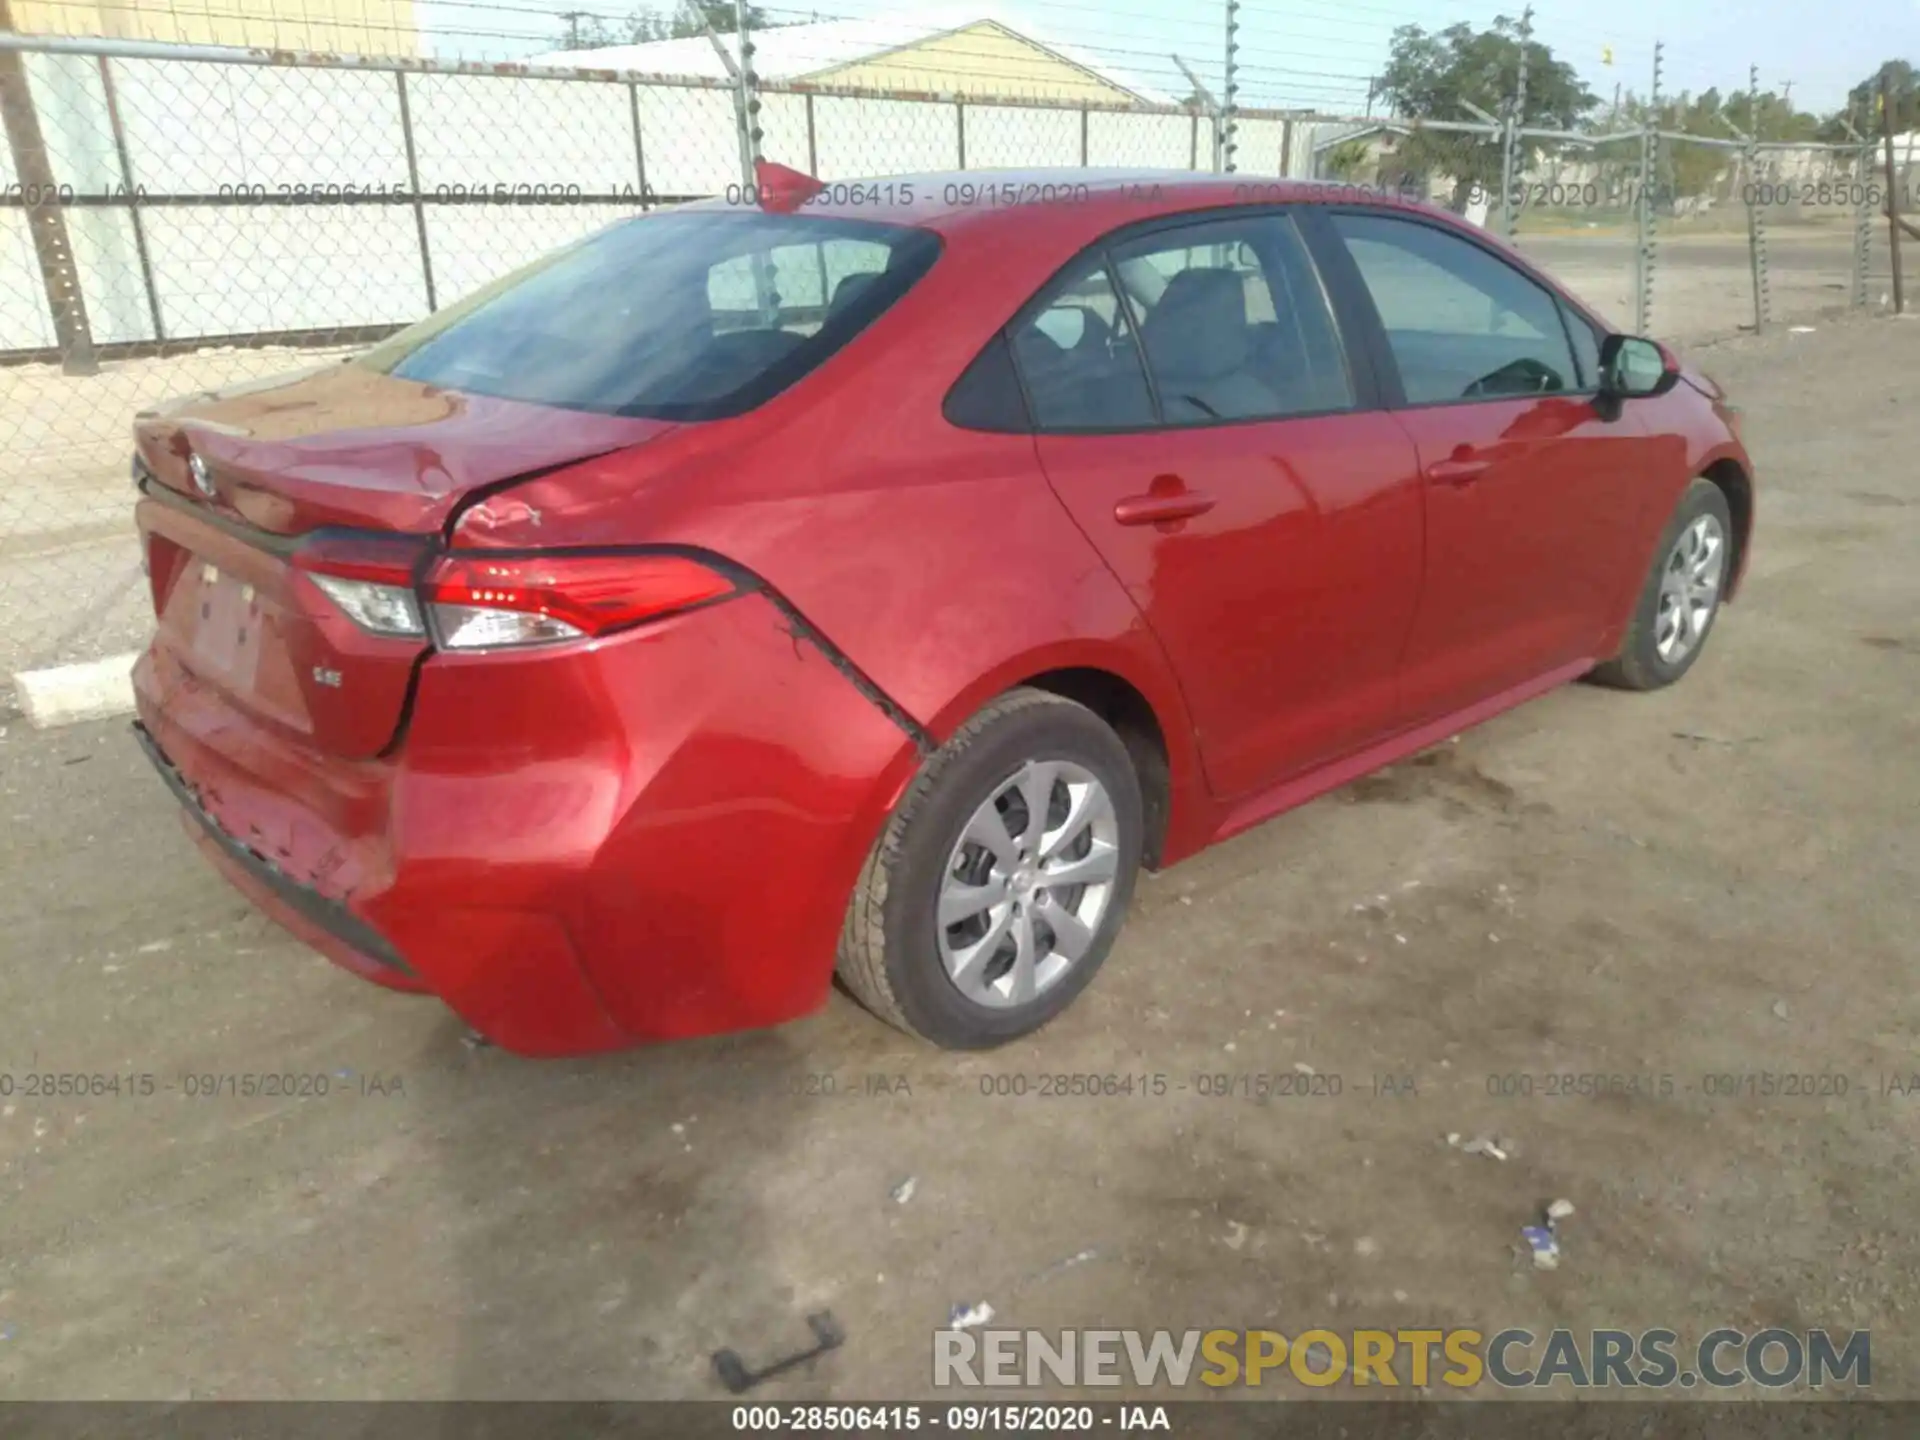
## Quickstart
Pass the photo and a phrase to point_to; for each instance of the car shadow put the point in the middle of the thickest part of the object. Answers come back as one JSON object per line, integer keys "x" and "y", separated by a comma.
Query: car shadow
{"x": 606, "y": 1226}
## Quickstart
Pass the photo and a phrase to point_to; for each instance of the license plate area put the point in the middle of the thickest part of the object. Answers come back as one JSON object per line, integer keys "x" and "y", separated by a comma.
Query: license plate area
{"x": 237, "y": 617}
{"x": 227, "y": 622}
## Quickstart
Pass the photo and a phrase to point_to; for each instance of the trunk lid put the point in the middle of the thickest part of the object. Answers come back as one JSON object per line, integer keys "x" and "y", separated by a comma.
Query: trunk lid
{"x": 345, "y": 445}
{"x": 248, "y": 491}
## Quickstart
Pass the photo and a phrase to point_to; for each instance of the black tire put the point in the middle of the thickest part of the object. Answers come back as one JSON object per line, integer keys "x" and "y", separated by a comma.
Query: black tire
{"x": 889, "y": 947}
{"x": 1639, "y": 664}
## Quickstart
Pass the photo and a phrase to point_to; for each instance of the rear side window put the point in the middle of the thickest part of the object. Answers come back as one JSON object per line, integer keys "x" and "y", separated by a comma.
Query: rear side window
{"x": 688, "y": 316}
{"x": 1233, "y": 321}
{"x": 987, "y": 396}
{"x": 1462, "y": 323}
{"x": 1076, "y": 352}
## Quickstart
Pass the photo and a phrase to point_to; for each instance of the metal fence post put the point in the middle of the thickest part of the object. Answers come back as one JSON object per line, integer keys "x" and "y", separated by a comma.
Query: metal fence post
{"x": 1216, "y": 128}
{"x": 1893, "y": 195}
{"x": 1862, "y": 216}
{"x": 1231, "y": 90}
{"x": 749, "y": 83}
{"x": 1643, "y": 224}
{"x": 1506, "y": 170}
{"x": 1516, "y": 117}
{"x": 1647, "y": 248}
{"x": 813, "y": 145}
{"x": 413, "y": 184}
{"x": 132, "y": 191}
{"x": 960, "y": 130}
{"x": 639, "y": 148}
{"x": 747, "y": 93}
{"x": 1083, "y": 135}
{"x": 746, "y": 103}
{"x": 46, "y": 220}
{"x": 1756, "y": 227}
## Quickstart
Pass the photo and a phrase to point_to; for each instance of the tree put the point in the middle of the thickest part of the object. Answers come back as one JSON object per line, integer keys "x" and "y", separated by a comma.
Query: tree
{"x": 1436, "y": 76}
{"x": 1773, "y": 118}
{"x": 1348, "y": 160}
{"x": 1863, "y": 102}
{"x": 1685, "y": 170}
{"x": 694, "y": 16}
{"x": 588, "y": 31}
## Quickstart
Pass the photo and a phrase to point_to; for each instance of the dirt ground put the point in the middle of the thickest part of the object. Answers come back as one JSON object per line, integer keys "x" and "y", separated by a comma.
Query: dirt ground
{"x": 71, "y": 586}
{"x": 1703, "y": 277}
{"x": 1720, "y": 879}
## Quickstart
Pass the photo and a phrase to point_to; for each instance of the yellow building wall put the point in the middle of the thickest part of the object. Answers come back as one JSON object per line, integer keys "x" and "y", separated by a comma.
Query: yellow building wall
{"x": 982, "y": 59}
{"x": 353, "y": 27}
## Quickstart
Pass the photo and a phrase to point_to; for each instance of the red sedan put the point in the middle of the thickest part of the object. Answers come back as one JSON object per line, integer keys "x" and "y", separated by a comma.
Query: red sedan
{"x": 871, "y": 579}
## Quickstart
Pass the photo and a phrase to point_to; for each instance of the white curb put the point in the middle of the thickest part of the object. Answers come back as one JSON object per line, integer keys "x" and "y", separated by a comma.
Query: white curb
{"x": 68, "y": 694}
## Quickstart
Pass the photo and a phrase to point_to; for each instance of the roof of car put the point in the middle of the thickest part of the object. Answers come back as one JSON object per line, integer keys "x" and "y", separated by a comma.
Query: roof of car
{"x": 1088, "y": 202}
{"x": 950, "y": 200}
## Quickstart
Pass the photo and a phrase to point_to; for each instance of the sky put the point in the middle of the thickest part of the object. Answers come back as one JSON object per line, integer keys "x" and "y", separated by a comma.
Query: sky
{"x": 1321, "y": 53}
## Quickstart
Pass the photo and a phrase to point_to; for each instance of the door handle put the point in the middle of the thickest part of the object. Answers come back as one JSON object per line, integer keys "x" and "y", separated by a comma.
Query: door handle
{"x": 1166, "y": 503}
{"x": 1462, "y": 467}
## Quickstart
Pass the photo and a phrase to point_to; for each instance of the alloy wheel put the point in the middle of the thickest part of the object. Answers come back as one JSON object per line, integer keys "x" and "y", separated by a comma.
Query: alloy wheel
{"x": 1028, "y": 883}
{"x": 1690, "y": 588}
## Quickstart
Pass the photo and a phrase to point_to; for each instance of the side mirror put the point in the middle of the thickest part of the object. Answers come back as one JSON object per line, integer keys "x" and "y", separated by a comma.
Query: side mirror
{"x": 1632, "y": 368}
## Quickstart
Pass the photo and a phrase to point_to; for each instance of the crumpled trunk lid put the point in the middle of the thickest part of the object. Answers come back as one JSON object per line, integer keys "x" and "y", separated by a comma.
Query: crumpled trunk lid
{"x": 243, "y": 488}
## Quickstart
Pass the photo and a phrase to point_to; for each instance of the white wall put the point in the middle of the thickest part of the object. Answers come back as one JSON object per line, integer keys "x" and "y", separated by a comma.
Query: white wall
{"x": 1006, "y": 137}
{"x": 239, "y": 132}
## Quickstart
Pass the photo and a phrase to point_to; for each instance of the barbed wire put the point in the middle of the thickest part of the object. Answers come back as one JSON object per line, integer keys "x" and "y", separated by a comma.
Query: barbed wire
{"x": 1135, "y": 47}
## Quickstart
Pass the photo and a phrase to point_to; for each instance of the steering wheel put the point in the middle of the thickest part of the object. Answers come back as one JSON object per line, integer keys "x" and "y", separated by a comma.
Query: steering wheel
{"x": 1524, "y": 376}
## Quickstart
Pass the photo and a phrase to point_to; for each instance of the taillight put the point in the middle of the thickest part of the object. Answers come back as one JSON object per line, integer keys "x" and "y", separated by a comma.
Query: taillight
{"x": 474, "y": 600}
{"x": 371, "y": 583}
{"x": 477, "y": 601}
{"x": 382, "y": 609}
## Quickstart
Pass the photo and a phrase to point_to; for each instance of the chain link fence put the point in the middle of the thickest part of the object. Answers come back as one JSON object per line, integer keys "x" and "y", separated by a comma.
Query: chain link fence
{"x": 1756, "y": 235}
{"x": 177, "y": 219}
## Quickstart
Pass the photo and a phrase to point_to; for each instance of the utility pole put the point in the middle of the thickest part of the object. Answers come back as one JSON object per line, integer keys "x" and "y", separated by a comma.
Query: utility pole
{"x": 46, "y": 220}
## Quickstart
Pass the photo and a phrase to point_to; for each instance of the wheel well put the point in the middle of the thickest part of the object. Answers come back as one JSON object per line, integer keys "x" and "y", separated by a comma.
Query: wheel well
{"x": 1126, "y": 710}
{"x": 1734, "y": 484}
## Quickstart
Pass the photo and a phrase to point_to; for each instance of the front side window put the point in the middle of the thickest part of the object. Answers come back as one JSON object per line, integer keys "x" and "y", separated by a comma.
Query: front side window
{"x": 1462, "y": 323}
{"x": 686, "y": 316}
{"x": 1586, "y": 346}
{"x": 1234, "y": 322}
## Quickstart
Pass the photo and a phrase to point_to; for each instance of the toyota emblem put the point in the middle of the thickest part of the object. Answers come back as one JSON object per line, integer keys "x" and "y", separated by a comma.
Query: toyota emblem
{"x": 202, "y": 476}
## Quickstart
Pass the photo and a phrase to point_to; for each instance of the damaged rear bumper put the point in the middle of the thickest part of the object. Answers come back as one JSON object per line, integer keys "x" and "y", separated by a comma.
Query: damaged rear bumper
{"x": 577, "y": 847}
{"x": 259, "y": 871}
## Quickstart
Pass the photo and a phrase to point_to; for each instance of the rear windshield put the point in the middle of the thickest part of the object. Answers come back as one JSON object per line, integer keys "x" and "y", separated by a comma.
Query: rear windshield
{"x": 686, "y": 316}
